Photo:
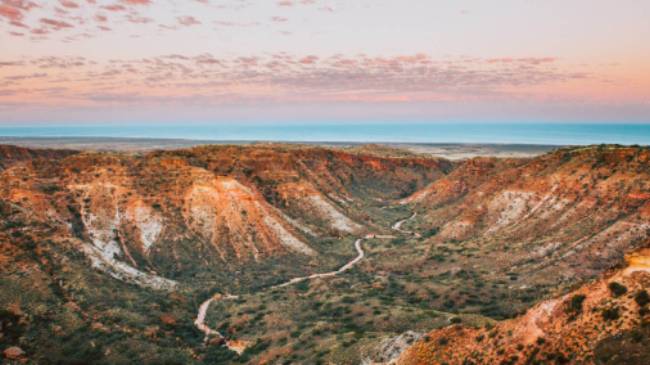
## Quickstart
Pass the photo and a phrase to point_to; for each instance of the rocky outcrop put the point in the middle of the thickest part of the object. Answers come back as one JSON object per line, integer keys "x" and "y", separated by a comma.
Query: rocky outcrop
{"x": 566, "y": 329}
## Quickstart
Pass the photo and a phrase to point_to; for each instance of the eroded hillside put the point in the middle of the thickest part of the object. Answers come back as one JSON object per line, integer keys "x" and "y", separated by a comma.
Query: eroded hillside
{"x": 114, "y": 253}
{"x": 531, "y": 225}
{"x": 606, "y": 321}
{"x": 153, "y": 217}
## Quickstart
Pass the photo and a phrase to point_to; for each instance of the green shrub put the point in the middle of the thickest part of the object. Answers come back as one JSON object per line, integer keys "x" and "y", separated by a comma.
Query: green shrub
{"x": 617, "y": 289}
{"x": 642, "y": 298}
{"x": 431, "y": 232}
{"x": 574, "y": 306}
{"x": 398, "y": 241}
{"x": 303, "y": 286}
{"x": 611, "y": 314}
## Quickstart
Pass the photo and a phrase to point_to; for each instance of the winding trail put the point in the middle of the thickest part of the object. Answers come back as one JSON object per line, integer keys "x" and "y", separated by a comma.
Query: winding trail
{"x": 203, "y": 309}
{"x": 398, "y": 226}
{"x": 199, "y": 322}
{"x": 346, "y": 267}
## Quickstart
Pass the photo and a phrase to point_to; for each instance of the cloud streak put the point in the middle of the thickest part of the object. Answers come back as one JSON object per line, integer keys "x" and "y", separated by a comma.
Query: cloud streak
{"x": 76, "y": 17}
{"x": 284, "y": 76}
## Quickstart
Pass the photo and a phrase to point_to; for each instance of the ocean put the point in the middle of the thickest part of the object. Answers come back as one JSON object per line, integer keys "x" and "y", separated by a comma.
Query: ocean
{"x": 406, "y": 132}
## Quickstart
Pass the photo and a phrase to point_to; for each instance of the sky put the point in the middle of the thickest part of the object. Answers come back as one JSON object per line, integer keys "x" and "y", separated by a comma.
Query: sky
{"x": 100, "y": 61}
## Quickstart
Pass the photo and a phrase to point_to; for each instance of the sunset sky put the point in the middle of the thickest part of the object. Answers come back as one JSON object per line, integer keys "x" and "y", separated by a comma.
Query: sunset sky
{"x": 93, "y": 61}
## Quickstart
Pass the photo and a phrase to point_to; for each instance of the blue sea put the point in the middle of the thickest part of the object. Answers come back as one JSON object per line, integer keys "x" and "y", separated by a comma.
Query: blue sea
{"x": 406, "y": 132}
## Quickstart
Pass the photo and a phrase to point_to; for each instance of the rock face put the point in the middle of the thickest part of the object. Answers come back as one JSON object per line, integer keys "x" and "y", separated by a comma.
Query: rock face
{"x": 148, "y": 219}
{"x": 570, "y": 213}
{"x": 573, "y": 328}
{"x": 224, "y": 211}
{"x": 390, "y": 349}
{"x": 306, "y": 199}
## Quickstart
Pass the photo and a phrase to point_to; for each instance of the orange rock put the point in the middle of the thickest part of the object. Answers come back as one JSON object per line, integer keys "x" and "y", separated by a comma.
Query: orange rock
{"x": 168, "y": 319}
{"x": 14, "y": 353}
{"x": 239, "y": 346}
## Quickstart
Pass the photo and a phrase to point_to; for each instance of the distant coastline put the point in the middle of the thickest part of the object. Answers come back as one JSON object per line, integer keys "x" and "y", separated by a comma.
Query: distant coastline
{"x": 543, "y": 134}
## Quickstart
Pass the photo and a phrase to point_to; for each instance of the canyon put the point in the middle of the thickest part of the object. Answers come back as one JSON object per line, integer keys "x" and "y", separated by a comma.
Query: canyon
{"x": 333, "y": 255}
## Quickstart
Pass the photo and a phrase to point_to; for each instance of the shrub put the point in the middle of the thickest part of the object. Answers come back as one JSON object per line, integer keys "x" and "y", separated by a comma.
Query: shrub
{"x": 437, "y": 257}
{"x": 637, "y": 336}
{"x": 574, "y": 306}
{"x": 219, "y": 355}
{"x": 449, "y": 304}
{"x": 398, "y": 241}
{"x": 642, "y": 298}
{"x": 303, "y": 286}
{"x": 611, "y": 314}
{"x": 617, "y": 289}
{"x": 431, "y": 232}
{"x": 50, "y": 188}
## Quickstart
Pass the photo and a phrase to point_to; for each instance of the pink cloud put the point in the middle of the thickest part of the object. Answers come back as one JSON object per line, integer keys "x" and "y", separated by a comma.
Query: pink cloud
{"x": 137, "y": 2}
{"x": 135, "y": 19}
{"x": 114, "y": 7}
{"x": 83, "y": 16}
{"x": 56, "y": 24}
{"x": 11, "y": 63}
{"x": 317, "y": 78}
{"x": 528, "y": 60}
{"x": 69, "y": 4}
{"x": 20, "y": 4}
{"x": 309, "y": 60}
{"x": 188, "y": 20}
{"x": 10, "y": 13}
{"x": 14, "y": 10}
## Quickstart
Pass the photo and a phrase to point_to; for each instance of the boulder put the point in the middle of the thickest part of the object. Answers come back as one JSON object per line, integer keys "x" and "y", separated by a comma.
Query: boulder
{"x": 13, "y": 353}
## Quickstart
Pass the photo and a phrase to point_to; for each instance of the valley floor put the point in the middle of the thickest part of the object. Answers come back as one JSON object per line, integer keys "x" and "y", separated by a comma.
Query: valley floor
{"x": 240, "y": 346}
